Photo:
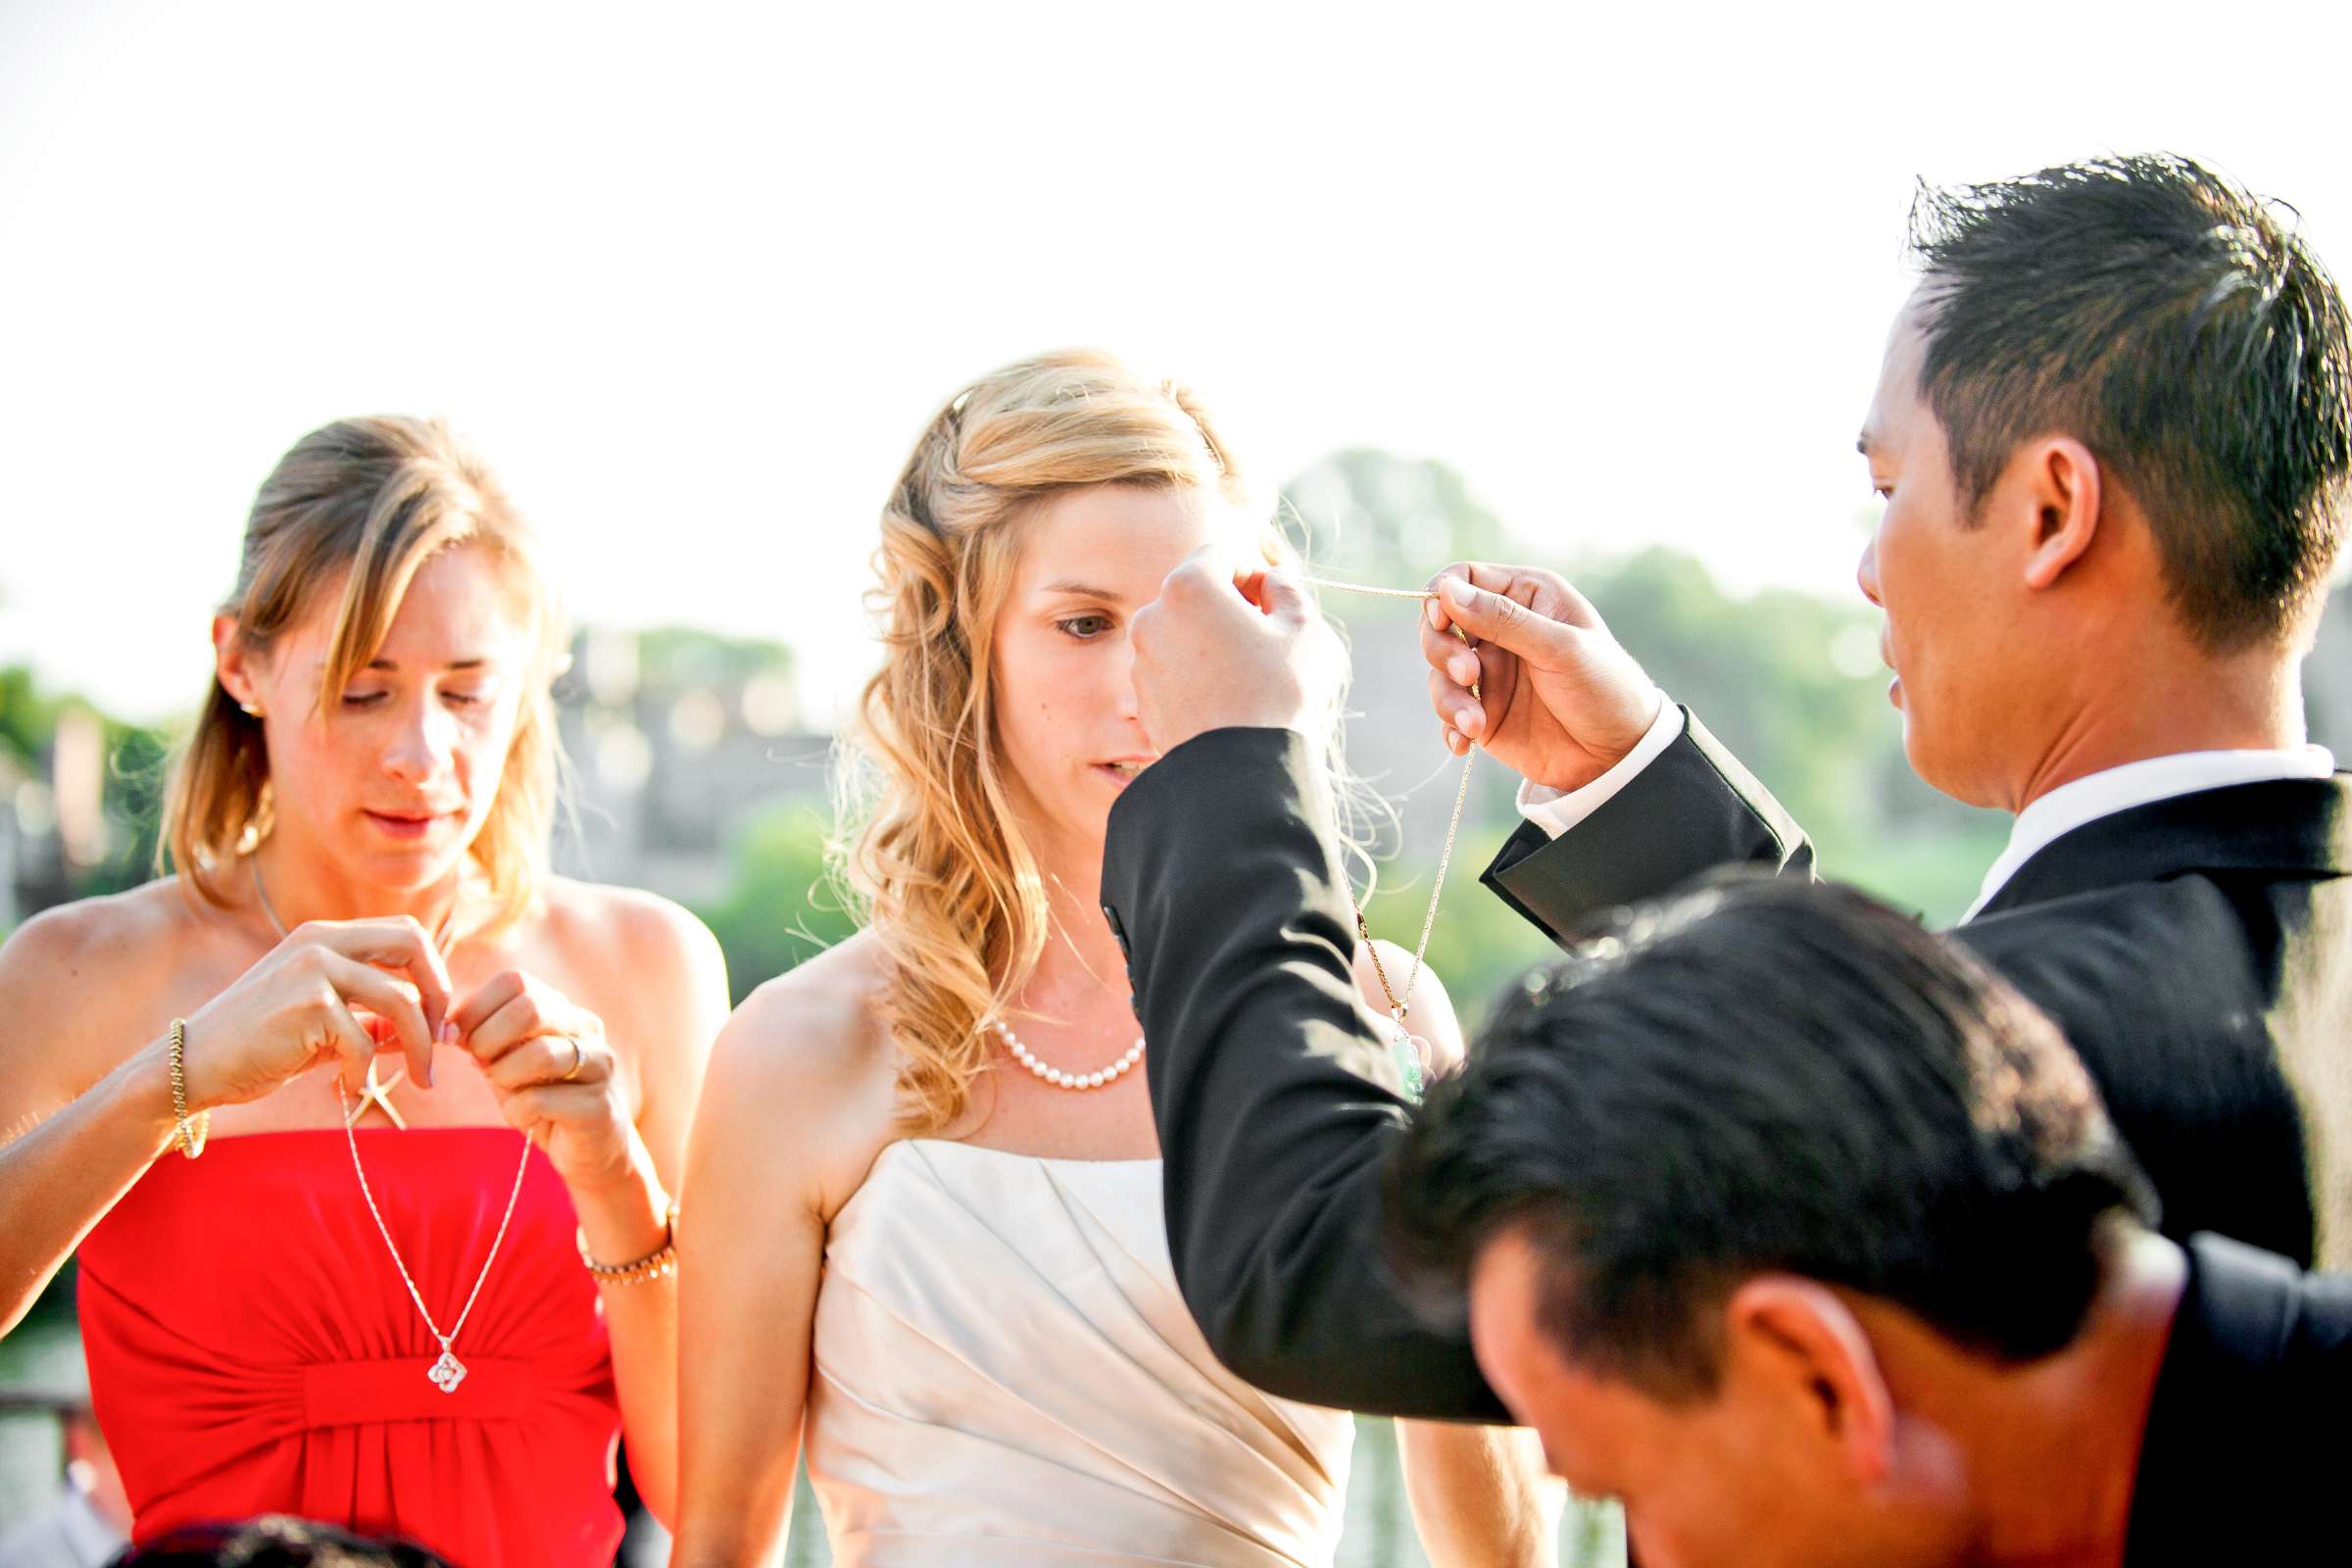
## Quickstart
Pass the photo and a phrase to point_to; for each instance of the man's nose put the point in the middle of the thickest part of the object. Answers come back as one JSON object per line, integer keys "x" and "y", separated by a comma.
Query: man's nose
{"x": 1866, "y": 572}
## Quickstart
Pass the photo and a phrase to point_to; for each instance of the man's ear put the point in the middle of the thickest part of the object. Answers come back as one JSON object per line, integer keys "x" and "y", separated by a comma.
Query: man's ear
{"x": 1792, "y": 1338}
{"x": 2061, "y": 482}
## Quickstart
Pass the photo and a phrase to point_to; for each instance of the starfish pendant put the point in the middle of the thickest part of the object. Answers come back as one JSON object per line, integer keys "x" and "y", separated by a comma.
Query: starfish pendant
{"x": 1409, "y": 1060}
{"x": 380, "y": 1097}
{"x": 448, "y": 1372}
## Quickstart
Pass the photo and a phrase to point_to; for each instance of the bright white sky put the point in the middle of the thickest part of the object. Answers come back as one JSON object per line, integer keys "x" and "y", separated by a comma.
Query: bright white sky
{"x": 693, "y": 278}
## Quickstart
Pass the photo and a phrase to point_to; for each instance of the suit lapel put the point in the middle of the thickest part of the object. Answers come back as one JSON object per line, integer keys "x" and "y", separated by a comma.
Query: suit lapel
{"x": 2283, "y": 827}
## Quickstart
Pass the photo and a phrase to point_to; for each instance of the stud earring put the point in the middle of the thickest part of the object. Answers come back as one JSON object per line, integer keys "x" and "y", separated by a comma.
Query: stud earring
{"x": 251, "y": 710}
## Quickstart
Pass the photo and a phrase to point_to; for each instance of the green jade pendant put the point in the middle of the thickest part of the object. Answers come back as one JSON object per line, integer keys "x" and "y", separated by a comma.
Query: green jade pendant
{"x": 1409, "y": 1060}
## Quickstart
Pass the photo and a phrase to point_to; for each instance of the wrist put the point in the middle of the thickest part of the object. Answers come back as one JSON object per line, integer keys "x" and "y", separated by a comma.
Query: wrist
{"x": 142, "y": 1091}
{"x": 628, "y": 1216}
{"x": 1590, "y": 768}
{"x": 1652, "y": 711}
{"x": 198, "y": 1044}
{"x": 655, "y": 1263}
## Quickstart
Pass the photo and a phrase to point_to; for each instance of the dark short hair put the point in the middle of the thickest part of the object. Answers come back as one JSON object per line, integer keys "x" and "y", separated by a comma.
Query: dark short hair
{"x": 1768, "y": 1076}
{"x": 276, "y": 1540}
{"x": 2162, "y": 316}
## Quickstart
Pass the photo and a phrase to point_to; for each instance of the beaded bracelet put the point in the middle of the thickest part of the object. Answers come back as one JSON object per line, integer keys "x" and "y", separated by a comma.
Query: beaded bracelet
{"x": 190, "y": 1134}
{"x": 658, "y": 1265}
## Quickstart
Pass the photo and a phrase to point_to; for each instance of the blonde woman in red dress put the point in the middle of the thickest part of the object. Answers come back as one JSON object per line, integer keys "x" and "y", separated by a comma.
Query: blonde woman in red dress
{"x": 364, "y": 1124}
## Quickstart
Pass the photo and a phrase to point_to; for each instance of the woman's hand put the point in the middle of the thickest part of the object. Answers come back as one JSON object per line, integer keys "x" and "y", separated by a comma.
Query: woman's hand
{"x": 330, "y": 989}
{"x": 546, "y": 1057}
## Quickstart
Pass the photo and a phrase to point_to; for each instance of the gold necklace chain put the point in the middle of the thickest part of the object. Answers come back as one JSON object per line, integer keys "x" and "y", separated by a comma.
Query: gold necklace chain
{"x": 260, "y": 892}
{"x": 448, "y": 1372}
{"x": 1400, "y": 1041}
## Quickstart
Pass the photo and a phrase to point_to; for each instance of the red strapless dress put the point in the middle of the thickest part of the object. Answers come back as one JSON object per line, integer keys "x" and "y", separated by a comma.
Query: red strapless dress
{"x": 253, "y": 1350}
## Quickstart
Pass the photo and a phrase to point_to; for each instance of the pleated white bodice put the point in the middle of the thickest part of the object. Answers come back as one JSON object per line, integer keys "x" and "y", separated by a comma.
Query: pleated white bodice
{"x": 1005, "y": 1374}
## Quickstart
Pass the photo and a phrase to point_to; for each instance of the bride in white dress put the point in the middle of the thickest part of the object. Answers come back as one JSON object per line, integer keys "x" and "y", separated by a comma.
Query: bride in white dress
{"x": 924, "y": 1232}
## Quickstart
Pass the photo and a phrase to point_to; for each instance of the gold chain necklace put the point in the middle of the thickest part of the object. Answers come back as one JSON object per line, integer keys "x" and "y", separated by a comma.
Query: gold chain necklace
{"x": 448, "y": 1372}
{"x": 1401, "y": 1039}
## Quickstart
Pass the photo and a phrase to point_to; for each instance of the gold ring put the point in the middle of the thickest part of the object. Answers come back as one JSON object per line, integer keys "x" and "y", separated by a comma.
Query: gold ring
{"x": 576, "y": 1058}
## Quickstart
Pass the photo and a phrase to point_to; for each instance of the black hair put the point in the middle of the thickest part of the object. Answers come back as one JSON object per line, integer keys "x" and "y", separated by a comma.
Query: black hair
{"x": 276, "y": 1540}
{"x": 1769, "y": 1075}
{"x": 2162, "y": 316}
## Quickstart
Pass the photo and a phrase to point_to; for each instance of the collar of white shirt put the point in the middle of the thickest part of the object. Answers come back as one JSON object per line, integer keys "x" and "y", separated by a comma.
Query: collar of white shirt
{"x": 2144, "y": 783}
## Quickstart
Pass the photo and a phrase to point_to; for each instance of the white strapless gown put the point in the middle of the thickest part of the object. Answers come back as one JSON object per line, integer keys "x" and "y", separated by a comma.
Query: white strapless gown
{"x": 1005, "y": 1374}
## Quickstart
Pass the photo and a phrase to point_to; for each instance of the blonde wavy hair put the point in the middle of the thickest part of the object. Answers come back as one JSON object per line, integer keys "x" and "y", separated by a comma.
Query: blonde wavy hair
{"x": 927, "y": 841}
{"x": 366, "y": 502}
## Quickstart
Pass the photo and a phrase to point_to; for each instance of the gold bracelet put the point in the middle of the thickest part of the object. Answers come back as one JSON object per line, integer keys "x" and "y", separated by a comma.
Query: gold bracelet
{"x": 188, "y": 1134}
{"x": 659, "y": 1265}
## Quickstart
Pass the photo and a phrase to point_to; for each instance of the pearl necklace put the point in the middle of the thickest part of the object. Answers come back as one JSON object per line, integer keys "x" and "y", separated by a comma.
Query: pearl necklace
{"x": 1070, "y": 1080}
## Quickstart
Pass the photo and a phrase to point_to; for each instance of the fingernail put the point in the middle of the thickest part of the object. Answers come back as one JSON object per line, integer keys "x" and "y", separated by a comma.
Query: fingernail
{"x": 449, "y": 1032}
{"x": 1471, "y": 722}
{"x": 1462, "y": 668}
{"x": 1437, "y": 617}
{"x": 428, "y": 1072}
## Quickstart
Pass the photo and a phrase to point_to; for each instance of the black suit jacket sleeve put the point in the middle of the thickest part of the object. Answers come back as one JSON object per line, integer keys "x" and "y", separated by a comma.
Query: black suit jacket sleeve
{"x": 1691, "y": 809}
{"x": 1273, "y": 1090}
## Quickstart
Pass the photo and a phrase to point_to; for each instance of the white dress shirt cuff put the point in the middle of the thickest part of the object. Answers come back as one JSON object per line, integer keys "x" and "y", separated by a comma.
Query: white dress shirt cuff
{"x": 1556, "y": 814}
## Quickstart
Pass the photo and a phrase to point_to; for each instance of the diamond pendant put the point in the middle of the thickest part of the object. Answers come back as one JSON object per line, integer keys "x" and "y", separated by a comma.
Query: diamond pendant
{"x": 1409, "y": 1060}
{"x": 448, "y": 1372}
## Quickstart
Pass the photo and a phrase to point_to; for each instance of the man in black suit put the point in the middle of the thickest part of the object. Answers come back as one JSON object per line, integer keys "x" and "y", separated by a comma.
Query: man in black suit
{"x": 2112, "y": 431}
{"x": 1871, "y": 1288}
{"x": 2115, "y": 431}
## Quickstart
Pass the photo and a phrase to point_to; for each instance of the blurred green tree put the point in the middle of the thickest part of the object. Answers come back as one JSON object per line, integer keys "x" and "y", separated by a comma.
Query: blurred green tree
{"x": 1367, "y": 515}
{"x": 672, "y": 659}
{"x": 1792, "y": 682}
{"x": 137, "y": 761}
{"x": 779, "y": 908}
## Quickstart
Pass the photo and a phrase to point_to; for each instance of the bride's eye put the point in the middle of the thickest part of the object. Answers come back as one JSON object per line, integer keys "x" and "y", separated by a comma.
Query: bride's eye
{"x": 1085, "y": 628}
